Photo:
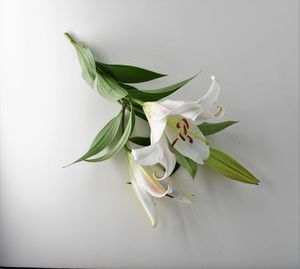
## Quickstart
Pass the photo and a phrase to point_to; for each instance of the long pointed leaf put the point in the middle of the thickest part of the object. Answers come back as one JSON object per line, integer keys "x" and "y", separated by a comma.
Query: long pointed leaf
{"x": 103, "y": 138}
{"x": 140, "y": 140}
{"x": 127, "y": 73}
{"x": 121, "y": 143}
{"x": 212, "y": 128}
{"x": 227, "y": 166}
{"x": 109, "y": 88}
{"x": 154, "y": 95}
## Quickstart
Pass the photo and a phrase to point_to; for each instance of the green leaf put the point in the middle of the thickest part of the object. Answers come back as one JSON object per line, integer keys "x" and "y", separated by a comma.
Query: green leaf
{"x": 177, "y": 166}
{"x": 121, "y": 143}
{"x": 127, "y": 73}
{"x": 140, "y": 140}
{"x": 103, "y": 138}
{"x": 86, "y": 60}
{"x": 212, "y": 128}
{"x": 109, "y": 88}
{"x": 186, "y": 163}
{"x": 227, "y": 166}
{"x": 139, "y": 113}
{"x": 154, "y": 95}
{"x": 106, "y": 135}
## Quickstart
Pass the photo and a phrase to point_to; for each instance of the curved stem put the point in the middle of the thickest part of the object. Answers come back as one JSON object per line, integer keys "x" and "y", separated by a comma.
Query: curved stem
{"x": 123, "y": 125}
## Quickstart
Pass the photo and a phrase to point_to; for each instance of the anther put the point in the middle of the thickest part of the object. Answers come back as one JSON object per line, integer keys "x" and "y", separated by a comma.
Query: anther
{"x": 190, "y": 139}
{"x": 178, "y": 125}
{"x": 184, "y": 130}
{"x": 186, "y": 123}
{"x": 182, "y": 138}
{"x": 174, "y": 142}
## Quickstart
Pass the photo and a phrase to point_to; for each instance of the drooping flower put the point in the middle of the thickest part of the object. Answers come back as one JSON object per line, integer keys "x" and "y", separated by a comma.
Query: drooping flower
{"x": 147, "y": 187}
{"x": 178, "y": 121}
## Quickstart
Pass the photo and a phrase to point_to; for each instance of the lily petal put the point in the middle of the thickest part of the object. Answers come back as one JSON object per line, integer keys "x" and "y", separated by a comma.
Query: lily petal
{"x": 158, "y": 152}
{"x": 156, "y": 110}
{"x": 176, "y": 193}
{"x": 157, "y": 129}
{"x": 147, "y": 202}
{"x": 144, "y": 197}
{"x": 209, "y": 103}
{"x": 155, "y": 114}
{"x": 188, "y": 110}
{"x": 197, "y": 150}
{"x": 161, "y": 110}
{"x": 145, "y": 179}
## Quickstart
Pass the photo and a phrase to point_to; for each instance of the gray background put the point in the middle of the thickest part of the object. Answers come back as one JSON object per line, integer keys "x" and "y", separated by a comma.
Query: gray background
{"x": 86, "y": 215}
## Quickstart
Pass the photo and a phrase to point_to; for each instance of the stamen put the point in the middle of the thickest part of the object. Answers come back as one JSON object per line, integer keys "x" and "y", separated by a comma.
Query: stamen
{"x": 184, "y": 130}
{"x": 186, "y": 123}
{"x": 178, "y": 125}
{"x": 174, "y": 142}
{"x": 181, "y": 136}
{"x": 190, "y": 139}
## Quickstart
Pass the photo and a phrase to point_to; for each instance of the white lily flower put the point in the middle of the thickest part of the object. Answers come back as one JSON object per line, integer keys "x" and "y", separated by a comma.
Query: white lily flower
{"x": 157, "y": 153}
{"x": 147, "y": 187}
{"x": 178, "y": 121}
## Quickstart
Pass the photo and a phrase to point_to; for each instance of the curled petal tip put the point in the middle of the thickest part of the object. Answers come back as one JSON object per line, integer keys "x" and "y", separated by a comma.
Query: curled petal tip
{"x": 159, "y": 177}
{"x": 220, "y": 112}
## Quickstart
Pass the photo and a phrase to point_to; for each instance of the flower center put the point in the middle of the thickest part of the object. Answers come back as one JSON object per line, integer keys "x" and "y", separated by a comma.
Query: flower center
{"x": 182, "y": 126}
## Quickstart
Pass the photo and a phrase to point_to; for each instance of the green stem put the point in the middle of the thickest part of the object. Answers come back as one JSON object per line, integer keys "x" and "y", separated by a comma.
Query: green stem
{"x": 123, "y": 124}
{"x": 137, "y": 101}
{"x": 123, "y": 117}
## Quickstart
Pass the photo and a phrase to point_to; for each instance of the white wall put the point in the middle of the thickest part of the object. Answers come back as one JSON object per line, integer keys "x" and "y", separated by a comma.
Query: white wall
{"x": 86, "y": 215}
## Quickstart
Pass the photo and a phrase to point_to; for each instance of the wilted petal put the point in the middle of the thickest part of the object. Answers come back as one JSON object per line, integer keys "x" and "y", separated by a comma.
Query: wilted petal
{"x": 158, "y": 152}
{"x": 197, "y": 150}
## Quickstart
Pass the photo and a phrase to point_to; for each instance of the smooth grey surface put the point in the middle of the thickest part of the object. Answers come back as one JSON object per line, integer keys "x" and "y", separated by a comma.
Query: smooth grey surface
{"x": 85, "y": 215}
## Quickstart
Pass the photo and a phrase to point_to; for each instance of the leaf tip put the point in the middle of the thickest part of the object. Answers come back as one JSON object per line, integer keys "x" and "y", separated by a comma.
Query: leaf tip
{"x": 255, "y": 181}
{"x": 162, "y": 75}
{"x": 65, "y": 166}
{"x": 69, "y": 37}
